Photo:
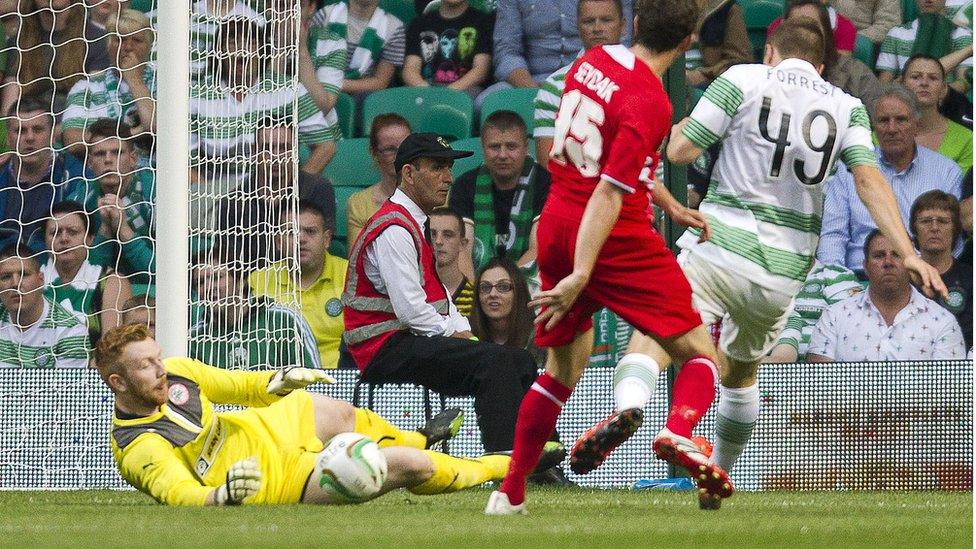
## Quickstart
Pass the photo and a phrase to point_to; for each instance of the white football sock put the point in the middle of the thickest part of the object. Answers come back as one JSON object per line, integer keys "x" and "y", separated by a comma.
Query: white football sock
{"x": 634, "y": 381}
{"x": 737, "y": 412}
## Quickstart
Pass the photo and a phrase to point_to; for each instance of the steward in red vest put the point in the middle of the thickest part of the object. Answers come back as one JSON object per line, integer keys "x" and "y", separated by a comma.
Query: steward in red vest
{"x": 401, "y": 326}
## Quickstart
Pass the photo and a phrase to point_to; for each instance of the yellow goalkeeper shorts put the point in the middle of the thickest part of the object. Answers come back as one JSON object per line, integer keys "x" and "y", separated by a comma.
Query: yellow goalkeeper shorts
{"x": 282, "y": 436}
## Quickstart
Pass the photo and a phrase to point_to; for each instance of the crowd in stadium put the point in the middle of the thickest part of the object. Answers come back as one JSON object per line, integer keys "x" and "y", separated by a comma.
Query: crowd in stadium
{"x": 77, "y": 184}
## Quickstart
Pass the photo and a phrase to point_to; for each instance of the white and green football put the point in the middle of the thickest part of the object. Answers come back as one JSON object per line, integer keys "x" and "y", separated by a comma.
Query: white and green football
{"x": 352, "y": 468}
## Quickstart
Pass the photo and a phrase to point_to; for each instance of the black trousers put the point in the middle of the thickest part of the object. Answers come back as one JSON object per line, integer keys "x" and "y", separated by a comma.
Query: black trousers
{"x": 495, "y": 375}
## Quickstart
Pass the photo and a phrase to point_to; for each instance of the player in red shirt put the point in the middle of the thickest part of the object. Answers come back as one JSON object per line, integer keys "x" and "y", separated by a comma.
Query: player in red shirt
{"x": 596, "y": 248}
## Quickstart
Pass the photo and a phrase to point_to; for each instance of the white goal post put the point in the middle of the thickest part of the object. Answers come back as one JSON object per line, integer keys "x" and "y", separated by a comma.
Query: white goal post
{"x": 172, "y": 192}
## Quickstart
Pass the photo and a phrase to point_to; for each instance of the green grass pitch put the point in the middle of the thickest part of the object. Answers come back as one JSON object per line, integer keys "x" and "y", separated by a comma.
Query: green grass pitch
{"x": 559, "y": 518}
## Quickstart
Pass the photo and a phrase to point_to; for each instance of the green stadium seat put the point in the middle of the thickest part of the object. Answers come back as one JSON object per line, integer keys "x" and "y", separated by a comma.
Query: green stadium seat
{"x": 144, "y": 6}
{"x": 352, "y": 166}
{"x": 864, "y": 50}
{"x": 909, "y": 11}
{"x": 694, "y": 95}
{"x": 340, "y": 244}
{"x": 447, "y": 120}
{"x": 401, "y": 9}
{"x": 759, "y": 14}
{"x": 345, "y": 108}
{"x": 428, "y": 109}
{"x": 519, "y": 100}
{"x": 462, "y": 165}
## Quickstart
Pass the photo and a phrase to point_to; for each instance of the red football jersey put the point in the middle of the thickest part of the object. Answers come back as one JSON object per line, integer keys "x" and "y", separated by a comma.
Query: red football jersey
{"x": 613, "y": 117}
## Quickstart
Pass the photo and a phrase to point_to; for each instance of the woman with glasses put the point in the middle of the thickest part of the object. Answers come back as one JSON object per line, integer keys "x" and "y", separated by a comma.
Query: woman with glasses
{"x": 501, "y": 314}
{"x": 926, "y": 78}
{"x": 385, "y": 136}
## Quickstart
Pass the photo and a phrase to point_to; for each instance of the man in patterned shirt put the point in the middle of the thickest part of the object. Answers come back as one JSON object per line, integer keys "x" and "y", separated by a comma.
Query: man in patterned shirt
{"x": 783, "y": 126}
{"x": 824, "y": 286}
{"x": 35, "y": 332}
{"x": 600, "y": 22}
{"x": 890, "y": 321}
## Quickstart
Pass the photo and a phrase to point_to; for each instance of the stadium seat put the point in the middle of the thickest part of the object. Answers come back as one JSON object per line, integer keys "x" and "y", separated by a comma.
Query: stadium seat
{"x": 345, "y": 108}
{"x": 352, "y": 166}
{"x": 519, "y": 100}
{"x": 462, "y": 165}
{"x": 864, "y": 50}
{"x": 447, "y": 120}
{"x": 340, "y": 240}
{"x": 401, "y": 9}
{"x": 694, "y": 95}
{"x": 909, "y": 11}
{"x": 416, "y": 104}
{"x": 759, "y": 14}
{"x": 144, "y": 6}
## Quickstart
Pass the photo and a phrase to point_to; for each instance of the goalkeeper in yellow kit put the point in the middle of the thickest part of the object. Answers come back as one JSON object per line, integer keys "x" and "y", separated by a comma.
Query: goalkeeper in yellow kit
{"x": 169, "y": 443}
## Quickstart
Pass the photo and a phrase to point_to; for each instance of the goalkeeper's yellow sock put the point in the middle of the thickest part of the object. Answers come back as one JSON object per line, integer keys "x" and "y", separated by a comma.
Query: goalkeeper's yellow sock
{"x": 385, "y": 433}
{"x": 452, "y": 473}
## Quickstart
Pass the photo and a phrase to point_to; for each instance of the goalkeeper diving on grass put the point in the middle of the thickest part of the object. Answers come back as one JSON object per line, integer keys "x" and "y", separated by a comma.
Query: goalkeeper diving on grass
{"x": 168, "y": 441}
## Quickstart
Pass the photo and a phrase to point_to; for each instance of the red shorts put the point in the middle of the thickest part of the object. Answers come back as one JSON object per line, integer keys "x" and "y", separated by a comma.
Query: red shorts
{"x": 635, "y": 276}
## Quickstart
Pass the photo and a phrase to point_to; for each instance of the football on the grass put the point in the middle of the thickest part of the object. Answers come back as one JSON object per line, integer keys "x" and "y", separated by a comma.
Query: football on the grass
{"x": 352, "y": 468}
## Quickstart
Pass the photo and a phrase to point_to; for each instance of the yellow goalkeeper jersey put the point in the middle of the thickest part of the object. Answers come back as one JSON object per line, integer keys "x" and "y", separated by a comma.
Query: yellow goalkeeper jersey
{"x": 182, "y": 452}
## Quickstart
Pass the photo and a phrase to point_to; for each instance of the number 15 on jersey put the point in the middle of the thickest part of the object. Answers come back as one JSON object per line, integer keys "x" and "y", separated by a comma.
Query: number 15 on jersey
{"x": 577, "y": 136}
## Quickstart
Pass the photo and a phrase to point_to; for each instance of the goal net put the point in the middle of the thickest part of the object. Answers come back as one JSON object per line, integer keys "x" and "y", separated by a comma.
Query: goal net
{"x": 244, "y": 104}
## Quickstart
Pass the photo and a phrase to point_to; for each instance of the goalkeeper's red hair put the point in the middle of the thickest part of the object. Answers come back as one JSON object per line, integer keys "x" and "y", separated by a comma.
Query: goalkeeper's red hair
{"x": 111, "y": 346}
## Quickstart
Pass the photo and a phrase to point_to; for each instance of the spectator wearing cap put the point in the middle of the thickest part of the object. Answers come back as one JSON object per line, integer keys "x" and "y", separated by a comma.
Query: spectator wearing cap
{"x": 401, "y": 326}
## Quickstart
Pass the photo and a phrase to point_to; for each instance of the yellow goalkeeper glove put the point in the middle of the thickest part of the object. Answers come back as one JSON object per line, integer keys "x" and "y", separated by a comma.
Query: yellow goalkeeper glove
{"x": 287, "y": 380}
{"x": 243, "y": 481}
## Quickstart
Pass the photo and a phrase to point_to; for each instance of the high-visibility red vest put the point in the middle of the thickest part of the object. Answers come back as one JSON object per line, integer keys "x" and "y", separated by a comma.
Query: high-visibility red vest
{"x": 369, "y": 317}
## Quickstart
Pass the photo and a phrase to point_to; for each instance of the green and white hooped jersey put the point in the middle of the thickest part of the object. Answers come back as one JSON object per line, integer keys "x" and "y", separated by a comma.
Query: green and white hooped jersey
{"x": 784, "y": 128}
{"x": 79, "y": 295}
{"x": 824, "y": 286}
{"x": 58, "y": 340}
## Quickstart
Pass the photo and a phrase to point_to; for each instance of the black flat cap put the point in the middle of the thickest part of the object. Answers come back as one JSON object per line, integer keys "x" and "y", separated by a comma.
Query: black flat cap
{"x": 425, "y": 145}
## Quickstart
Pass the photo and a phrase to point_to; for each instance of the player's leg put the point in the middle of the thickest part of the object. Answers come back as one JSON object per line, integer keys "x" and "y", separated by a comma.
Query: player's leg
{"x": 757, "y": 316}
{"x": 663, "y": 307}
{"x": 634, "y": 381}
{"x": 737, "y": 411}
{"x": 539, "y": 410}
{"x": 335, "y": 416}
{"x": 692, "y": 394}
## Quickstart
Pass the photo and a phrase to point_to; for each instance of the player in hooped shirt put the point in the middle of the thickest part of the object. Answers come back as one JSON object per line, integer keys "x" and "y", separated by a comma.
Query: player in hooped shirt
{"x": 597, "y": 248}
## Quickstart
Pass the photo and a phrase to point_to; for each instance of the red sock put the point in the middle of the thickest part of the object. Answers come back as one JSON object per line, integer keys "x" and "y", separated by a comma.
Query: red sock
{"x": 693, "y": 393}
{"x": 536, "y": 420}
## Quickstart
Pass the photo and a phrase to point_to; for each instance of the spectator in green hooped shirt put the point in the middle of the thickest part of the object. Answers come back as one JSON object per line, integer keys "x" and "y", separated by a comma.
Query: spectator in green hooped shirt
{"x": 241, "y": 331}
